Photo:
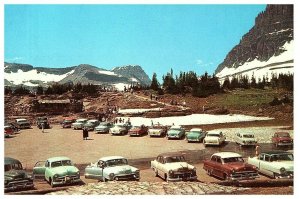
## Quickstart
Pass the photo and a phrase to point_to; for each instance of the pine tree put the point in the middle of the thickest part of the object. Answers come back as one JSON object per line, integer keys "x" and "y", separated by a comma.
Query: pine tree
{"x": 154, "y": 84}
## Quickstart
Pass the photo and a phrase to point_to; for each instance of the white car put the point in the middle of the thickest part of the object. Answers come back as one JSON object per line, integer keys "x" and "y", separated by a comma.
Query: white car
{"x": 245, "y": 139}
{"x": 276, "y": 164}
{"x": 214, "y": 138}
{"x": 112, "y": 168}
{"x": 78, "y": 124}
{"x": 119, "y": 129}
{"x": 173, "y": 167}
{"x": 23, "y": 123}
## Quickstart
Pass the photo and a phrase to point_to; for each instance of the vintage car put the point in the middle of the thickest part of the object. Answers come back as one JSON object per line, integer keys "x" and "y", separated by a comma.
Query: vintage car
{"x": 103, "y": 127}
{"x": 173, "y": 167}
{"x": 245, "y": 139}
{"x": 78, "y": 124}
{"x": 15, "y": 176}
{"x": 176, "y": 132}
{"x": 67, "y": 122}
{"x": 112, "y": 168}
{"x": 42, "y": 121}
{"x": 282, "y": 139}
{"x": 229, "y": 166}
{"x": 276, "y": 164}
{"x": 57, "y": 171}
{"x": 195, "y": 135}
{"x": 138, "y": 130}
{"x": 23, "y": 123}
{"x": 8, "y": 131}
{"x": 157, "y": 131}
{"x": 91, "y": 124}
{"x": 12, "y": 125}
{"x": 119, "y": 129}
{"x": 214, "y": 138}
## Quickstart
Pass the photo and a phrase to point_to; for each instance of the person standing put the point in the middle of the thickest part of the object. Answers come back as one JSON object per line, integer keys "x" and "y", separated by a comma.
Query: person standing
{"x": 43, "y": 127}
{"x": 257, "y": 150}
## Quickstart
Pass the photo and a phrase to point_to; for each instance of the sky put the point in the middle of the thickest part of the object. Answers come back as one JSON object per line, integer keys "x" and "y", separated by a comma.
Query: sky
{"x": 156, "y": 37}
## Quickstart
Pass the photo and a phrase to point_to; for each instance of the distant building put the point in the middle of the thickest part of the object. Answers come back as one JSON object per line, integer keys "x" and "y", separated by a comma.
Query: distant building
{"x": 57, "y": 106}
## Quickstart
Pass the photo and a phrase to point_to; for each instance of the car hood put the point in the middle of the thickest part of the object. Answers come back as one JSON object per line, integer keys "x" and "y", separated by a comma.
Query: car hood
{"x": 14, "y": 174}
{"x": 122, "y": 169}
{"x": 118, "y": 128}
{"x": 77, "y": 123}
{"x": 211, "y": 138}
{"x": 192, "y": 135}
{"x": 101, "y": 127}
{"x": 155, "y": 130}
{"x": 239, "y": 166}
{"x": 173, "y": 132}
{"x": 65, "y": 170}
{"x": 284, "y": 138}
{"x": 175, "y": 166}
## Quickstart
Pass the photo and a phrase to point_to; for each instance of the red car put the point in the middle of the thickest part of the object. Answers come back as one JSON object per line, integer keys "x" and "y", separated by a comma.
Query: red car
{"x": 282, "y": 139}
{"x": 8, "y": 131}
{"x": 138, "y": 130}
{"x": 229, "y": 166}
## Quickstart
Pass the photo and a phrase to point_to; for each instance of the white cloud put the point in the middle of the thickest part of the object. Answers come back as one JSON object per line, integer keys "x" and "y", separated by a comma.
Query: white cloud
{"x": 202, "y": 63}
{"x": 15, "y": 59}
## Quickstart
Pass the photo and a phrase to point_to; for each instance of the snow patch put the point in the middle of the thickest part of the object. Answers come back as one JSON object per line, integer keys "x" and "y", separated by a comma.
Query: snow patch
{"x": 125, "y": 111}
{"x": 195, "y": 119}
{"x": 261, "y": 69}
{"x": 106, "y": 72}
{"x": 21, "y": 77}
{"x": 133, "y": 79}
{"x": 120, "y": 86}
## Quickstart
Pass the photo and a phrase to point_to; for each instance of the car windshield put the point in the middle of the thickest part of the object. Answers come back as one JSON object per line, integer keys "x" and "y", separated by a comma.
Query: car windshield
{"x": 282, "y": 157}
{"x": 9, "y": 167}
{"x": 284, "y": 135}
{"x": 195, "y": 132}
{"x": 248, "y": 136}
{"x": 233, "y": 159}
{"x": 174, "y": 159}
{"x": 61, "y": 163}
{"x": 213, "y": 135}
{"x": 116, "y": 162}
{"x": 175, "y": 129}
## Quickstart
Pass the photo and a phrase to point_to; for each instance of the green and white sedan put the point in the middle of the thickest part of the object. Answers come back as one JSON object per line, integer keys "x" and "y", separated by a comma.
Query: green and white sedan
{"x": 112, "y": 168}
{"x": 57, "y": 171}
{"x": 276, "y": 164}
{"x": 176, "y": 132}
{"x": 195, "y": 135}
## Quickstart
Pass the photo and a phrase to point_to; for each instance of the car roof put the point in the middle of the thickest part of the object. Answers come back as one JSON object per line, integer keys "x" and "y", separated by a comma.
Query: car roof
{"x": 196, "y": 129}
{"x": 93, "y": 120}
{"x": 111, "y": 158}
{"x": 176, "y": 127}
{"x": 170, "y": 154}
{"x": 20, "y": 119}
{"x": 9, "y": 160}
{"x": 276, "y": 152}
{"x": 53, "y": 159}
{"x": 214, "y": 132}
{"x": 227, "y": 154}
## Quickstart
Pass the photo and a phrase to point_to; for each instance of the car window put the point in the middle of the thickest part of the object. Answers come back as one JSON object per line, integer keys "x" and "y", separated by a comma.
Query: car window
{"x": 66, "y": 163}
{"x": 174, "y": 159}
{"x": 261, "y": 157}
{"x": 56, "y": 164}
{"x": 233, "y": 159}
{"x": 248, "y": 136}
{"x": 218, "y": 159}
{"x": 213, "y": 158}
{"x": 9, "y": 167}
{"x": 267, "y": 158}
{"x": 116, "y": 162}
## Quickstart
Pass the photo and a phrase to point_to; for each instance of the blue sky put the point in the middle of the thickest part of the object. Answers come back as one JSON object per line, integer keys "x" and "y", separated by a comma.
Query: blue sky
{"x": 157, "y": 37}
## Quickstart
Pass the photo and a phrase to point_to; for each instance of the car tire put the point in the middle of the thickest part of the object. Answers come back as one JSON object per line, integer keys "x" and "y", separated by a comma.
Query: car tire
{"x": 208, "y": 171}
{"x": 156, "y": 173}
{"x": 166, "y": 177}
{"x": 225, "y": 177}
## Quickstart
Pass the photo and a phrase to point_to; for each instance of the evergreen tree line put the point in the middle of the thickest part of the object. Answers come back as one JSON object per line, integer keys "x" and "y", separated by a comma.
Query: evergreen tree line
{"x": 187, "y": 82}
{"x": 285, "y": 81}
{"x": 57, "y": 89}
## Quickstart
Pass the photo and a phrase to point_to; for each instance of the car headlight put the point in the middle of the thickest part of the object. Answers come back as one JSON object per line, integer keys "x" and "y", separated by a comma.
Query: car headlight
{"x": 78, "y": 172}
{"x": 171, "y": 171}
{"x": 233, "y": 171}
{"x": 282, "y": 170}
{"x": 55, "y": 176}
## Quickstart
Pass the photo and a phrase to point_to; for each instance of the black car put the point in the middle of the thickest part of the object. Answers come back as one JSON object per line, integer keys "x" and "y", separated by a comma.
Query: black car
{"x": 42, "y": 121}
{"x": 15, "y": 176}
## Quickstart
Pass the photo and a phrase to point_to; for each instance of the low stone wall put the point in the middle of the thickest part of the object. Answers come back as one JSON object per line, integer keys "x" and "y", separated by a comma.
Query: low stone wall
{"x": 148, "y": 188}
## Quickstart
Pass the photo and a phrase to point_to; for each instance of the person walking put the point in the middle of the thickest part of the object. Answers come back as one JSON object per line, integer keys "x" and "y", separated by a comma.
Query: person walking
{"x": 43, "y": 127}
{"x": 85, "y": 133}
{"x": 257, "y": 150}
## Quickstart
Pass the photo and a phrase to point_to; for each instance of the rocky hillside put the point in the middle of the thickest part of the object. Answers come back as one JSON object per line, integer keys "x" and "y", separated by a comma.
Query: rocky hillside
{"x": 264, "y": 46}
{"x": 28, "y": 75}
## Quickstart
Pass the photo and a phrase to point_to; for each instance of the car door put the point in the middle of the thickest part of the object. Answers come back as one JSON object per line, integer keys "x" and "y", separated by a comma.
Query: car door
{"x": 96, "y": 171}
{"x": 39, "y": 169}
{"x": 217, "y": 167}
{"x": 264, "y": 165}
{"x": 160, "y": 166}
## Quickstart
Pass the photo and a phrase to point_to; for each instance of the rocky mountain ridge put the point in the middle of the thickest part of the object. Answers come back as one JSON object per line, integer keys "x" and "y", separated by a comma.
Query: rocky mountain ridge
{"x": 272, "y": 30}
{"x": 28, "y": 75}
